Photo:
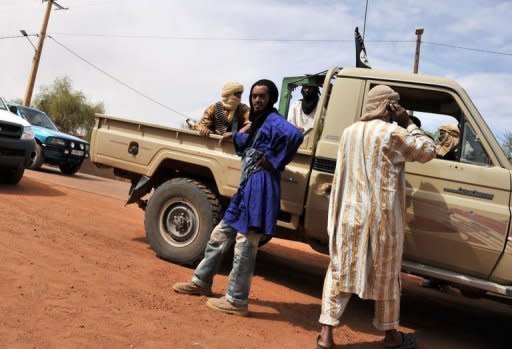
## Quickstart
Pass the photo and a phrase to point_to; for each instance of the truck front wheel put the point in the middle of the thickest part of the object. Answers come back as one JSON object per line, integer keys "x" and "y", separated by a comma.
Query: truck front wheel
{"x": 180, "y": 216}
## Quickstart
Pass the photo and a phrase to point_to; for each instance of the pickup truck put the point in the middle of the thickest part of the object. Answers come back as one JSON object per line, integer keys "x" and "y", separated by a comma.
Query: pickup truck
{"x": 52, "y": 146}
{"x": 458, "y": 211}
{"x": 16, "y": 146}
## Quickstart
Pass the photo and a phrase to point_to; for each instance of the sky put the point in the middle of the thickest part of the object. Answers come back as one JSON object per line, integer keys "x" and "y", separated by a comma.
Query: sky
{"x": 179, "y": 53}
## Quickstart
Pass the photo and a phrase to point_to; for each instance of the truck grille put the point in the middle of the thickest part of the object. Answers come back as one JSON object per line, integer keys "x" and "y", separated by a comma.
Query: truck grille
{"x": 324, "y": 165}
{"x": 10, "y": 130}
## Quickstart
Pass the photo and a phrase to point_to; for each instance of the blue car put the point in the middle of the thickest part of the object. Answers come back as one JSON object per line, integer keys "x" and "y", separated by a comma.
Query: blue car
{"x": 52, "y": 146}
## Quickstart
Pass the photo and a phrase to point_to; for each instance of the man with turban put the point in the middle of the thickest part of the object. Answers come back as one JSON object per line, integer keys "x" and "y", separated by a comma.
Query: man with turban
{"x": 228, "y": 114}
{"x": 302, "y": 112}
{"x": 265, "y": 147}
{"x": 449, "y": 137}
{"x": 367, "y": 215}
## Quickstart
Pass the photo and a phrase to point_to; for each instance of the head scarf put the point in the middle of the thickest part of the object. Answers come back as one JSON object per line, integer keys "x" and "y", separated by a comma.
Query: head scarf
{"x": 228, "y": 99}
{"x": 376, "y": 96}
{"x": 450, "y": 141}
{"x": 257, "y": 118}
{"x": 309, "y": 102}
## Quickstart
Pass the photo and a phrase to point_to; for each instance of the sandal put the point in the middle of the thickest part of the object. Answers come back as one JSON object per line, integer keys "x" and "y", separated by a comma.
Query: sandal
{"x": 319, "y": 346}
{"x": 409, "y": 341}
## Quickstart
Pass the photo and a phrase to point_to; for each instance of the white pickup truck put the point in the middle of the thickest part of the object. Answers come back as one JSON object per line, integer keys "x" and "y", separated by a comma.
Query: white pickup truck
{"x": 16, "y": 145}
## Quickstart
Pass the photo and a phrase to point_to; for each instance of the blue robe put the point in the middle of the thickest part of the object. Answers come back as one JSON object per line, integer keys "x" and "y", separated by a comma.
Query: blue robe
{"x": 255, "y": 206}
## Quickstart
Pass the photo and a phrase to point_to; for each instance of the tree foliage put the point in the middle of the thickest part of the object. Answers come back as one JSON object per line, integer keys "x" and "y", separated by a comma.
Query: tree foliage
{"x": 506, "y": 143}
{"x": 68, "y": 108}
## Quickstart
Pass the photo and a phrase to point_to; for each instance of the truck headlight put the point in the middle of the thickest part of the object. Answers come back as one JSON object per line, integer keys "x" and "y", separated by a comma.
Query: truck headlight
{"x": 82, "y": 146}
{"x": 56, "y": 141}
{"x": 27, "y": 133}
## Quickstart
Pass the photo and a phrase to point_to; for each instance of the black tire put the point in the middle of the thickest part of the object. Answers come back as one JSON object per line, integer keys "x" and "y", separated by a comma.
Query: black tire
{"x": 194, "y": 210}
{"x": 38, "y": 159}
{"x": 12, "y": 175}
{"x": 69, "y": 169}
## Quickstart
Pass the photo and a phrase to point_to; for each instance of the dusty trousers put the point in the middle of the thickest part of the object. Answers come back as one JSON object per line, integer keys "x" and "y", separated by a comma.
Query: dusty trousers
{"x": 240, "y": 277}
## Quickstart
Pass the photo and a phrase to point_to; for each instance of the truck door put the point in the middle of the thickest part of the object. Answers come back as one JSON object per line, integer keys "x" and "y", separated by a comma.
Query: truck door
{"x": 457, "y": 207}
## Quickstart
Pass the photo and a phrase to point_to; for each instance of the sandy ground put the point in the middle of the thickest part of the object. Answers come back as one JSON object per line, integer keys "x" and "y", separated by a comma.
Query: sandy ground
{"x": 77, "y": 273}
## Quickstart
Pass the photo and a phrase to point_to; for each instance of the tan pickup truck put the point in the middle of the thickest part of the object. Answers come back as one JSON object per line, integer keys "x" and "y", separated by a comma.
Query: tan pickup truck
{"x": 458, "y": 211}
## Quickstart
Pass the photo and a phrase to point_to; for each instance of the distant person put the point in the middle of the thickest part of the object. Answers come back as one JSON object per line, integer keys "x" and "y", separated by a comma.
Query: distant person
{"x": 266, "y": 146}
{"x": 367, "y": 215}
{"x": 448, "y": 142}
{"x": 228, "y": 114}
{"x": 302, "y": 112}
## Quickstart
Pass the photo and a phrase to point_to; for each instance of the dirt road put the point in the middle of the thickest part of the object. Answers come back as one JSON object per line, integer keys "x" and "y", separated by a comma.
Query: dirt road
{"x": 77, "y": 273}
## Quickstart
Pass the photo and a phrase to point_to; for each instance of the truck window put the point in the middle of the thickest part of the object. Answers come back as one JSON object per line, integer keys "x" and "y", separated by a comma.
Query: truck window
{"x": 443, "y": 119}
{"x": 472, "y": 150}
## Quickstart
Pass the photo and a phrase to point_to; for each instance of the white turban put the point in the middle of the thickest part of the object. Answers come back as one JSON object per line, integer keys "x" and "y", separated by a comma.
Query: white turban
{"x": 229, "y": 101}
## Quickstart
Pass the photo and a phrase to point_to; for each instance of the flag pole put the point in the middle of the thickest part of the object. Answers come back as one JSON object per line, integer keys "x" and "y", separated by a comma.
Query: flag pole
{"x": 365, "y": 12}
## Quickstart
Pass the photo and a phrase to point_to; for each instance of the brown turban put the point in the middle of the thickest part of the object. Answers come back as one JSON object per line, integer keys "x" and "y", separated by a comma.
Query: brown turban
{"x": 378, "y": 95}
{"x": 450, "y": 139}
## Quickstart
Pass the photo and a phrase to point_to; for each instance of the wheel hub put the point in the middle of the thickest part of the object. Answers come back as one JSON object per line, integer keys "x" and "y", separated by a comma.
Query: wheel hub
{"x": 180, "y": 222}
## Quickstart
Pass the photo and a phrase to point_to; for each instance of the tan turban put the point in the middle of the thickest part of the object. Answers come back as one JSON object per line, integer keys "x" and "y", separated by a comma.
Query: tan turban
{"x": 376, "y": 97}
{"x": 450, "y": 139}
{"x": 229, "y": 101}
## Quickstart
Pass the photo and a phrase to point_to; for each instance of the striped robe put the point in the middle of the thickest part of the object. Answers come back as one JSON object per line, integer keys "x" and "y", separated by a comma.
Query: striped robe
{"x": 367, "y": 206}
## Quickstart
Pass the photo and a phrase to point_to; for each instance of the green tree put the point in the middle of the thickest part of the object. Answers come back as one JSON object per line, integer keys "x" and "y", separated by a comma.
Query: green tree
{"x": 506, "y": 144}
{"x": 68, "y": 108}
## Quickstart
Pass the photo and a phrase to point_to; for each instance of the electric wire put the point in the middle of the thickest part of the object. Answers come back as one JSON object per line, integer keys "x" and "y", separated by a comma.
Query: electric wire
{"x": 115, "y": 78}
{"x": 207, "y": 38}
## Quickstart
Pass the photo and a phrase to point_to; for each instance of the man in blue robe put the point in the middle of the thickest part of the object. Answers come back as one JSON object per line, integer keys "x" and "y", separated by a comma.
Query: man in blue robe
{"x": 266, "y": 147}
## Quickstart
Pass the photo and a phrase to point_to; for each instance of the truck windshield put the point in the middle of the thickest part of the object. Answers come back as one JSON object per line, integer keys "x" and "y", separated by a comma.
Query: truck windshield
{"x": 37, "y": 118}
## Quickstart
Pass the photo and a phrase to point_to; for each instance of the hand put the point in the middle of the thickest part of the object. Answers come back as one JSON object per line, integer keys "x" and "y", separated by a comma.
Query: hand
{"x": 227, "y": 135}
{"x": 205, "y": 132}
{"x": 245, "y": 127}
{"x": 399, "y": 114}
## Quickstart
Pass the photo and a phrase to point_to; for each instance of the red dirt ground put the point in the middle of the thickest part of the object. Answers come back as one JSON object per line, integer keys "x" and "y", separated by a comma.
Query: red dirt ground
{"x": 78, "y": 273}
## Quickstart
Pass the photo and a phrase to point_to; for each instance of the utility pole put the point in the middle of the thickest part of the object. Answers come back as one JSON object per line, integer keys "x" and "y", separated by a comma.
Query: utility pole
{"x": 37, "y": 56}
{"x": 419, "y": 32}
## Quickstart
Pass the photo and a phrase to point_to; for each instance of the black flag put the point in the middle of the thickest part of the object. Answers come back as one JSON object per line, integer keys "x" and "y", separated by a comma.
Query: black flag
{"x": 361, "y": 58}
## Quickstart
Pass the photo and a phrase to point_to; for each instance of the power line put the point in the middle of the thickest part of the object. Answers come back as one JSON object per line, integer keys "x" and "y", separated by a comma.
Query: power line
{"x": 116, "y": 79}
{"x": 197, "y": 38}
{"x": 207, "y": 38}
{"x": 467, "y": 48}
{"x": 15, "y": 36}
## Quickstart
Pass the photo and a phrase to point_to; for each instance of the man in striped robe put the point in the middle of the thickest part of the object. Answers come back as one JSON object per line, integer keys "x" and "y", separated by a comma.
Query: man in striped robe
{"x": 367, "y": 215}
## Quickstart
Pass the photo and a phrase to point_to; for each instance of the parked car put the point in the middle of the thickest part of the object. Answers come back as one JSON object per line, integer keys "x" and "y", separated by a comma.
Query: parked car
{"x": 52, "y": 146}
{"x": 16, "y": 146}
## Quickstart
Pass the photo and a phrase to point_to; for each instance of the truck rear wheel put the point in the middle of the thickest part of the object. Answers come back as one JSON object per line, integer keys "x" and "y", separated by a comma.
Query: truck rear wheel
{"x": 180, "y": 216}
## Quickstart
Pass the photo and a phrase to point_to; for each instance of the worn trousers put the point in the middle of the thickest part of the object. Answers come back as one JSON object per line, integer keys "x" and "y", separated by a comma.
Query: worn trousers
{"x": 244, "y": 260}
{"x": 334, "y": 303}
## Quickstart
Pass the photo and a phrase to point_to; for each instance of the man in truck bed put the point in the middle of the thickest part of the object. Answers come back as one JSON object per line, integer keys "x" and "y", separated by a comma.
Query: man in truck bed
{"x": 266, "y": 148}
{"x": 367, "y": 215}
{"x": 228, "y": 114}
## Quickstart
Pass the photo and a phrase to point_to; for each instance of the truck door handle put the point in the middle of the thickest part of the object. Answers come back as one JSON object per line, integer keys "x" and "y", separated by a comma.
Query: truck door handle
{"x": 469, "y": 192}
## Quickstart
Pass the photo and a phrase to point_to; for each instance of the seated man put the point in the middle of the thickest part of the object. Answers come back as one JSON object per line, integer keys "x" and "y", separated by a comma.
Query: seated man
{"x": 449, "y": 136}
{"x": 228, "y": 114}
{"x": 302, "y": 112}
